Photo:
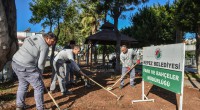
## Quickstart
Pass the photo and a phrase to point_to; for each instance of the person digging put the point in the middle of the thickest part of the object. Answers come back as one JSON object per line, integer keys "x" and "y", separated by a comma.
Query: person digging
{"x": 60, "y": 62}
{"x": 126, "y": 58}
{"x": 28, "y": 63}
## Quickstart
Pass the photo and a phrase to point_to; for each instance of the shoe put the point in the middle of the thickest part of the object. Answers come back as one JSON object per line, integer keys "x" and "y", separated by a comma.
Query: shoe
{"x": 67, "y": 93}
{"x": 87, "y": 86}
{"x": 63, "y": 94}
{"x": 120, "y": 86}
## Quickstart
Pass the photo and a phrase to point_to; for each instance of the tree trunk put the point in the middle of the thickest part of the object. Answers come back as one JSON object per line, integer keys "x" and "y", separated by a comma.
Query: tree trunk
{"x": 90, "y": 55}
{"x": 118, "y": 43}
{"x": 198, "y": 49}
{"x": 103, "y": 55}
{"x": 91, "y": 50}
{"x": 95, "y": 54}
{"x": 179, "y": 35}
{"x": 8, "y": 32}
{"x": 87, "y": 54}
{"x": 54, "y": 46}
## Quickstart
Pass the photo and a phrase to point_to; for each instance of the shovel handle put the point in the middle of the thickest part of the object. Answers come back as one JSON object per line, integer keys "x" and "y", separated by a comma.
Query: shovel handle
{"x": 124, "y": 75}
{"x": 50, "y": 94}
{"x": 99, "y": 84}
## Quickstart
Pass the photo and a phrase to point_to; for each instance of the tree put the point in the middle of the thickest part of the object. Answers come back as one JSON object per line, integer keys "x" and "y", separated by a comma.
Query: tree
{"x": 8, "y": 31}
{"x": 90, "y": 18}
{"x": 71, "y": 26}
{"x": 157, "y": 24}
{"x": 49, "y": 12}
{"x": 188, "y": 19}
{"x": 116, "y": 8}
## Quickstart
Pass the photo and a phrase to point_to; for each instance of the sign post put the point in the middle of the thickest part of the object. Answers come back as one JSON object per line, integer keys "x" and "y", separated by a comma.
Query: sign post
{"x": 164, "y": 66}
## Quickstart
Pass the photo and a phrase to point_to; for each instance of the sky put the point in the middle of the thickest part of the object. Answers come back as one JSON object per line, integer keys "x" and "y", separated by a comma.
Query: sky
{"x": 24, "y": 14}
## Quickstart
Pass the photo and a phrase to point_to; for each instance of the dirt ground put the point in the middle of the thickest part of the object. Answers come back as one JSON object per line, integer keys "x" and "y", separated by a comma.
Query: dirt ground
{"x": 96, "y": 98}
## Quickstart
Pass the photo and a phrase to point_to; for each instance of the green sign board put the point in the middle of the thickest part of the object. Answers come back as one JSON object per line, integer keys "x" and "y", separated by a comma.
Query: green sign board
{"x": 164, "y": 66}
{"x": 167, "y": 79}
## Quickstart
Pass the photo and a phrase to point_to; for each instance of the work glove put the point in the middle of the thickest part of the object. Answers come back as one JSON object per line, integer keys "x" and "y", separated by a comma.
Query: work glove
{"x": 128, "y": 68}
{"x": 138, "y": 61}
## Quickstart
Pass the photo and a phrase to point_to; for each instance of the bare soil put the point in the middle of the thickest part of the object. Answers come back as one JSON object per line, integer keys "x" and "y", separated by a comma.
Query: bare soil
{"x": 96, "y": 98}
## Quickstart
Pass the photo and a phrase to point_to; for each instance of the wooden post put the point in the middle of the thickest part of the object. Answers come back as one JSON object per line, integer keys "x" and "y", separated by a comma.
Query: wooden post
{"x": 104, "y": 51}
{"x": 91, "y": 48}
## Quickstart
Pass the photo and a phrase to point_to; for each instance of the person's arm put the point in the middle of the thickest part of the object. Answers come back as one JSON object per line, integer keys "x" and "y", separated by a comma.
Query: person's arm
{"x": 72, "y": 62}
{"x": 42, "y": 58}
{"x": 75, "y": 66}
{"x": 122, "y": 59}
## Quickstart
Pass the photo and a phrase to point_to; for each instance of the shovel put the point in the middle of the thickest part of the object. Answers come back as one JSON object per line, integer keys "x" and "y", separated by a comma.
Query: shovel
{"x": 118, "y": 97}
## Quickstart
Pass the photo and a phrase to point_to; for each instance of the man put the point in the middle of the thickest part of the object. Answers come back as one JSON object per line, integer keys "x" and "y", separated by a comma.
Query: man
{"x": 71, "y": 45}
{"x": 70, "y": 72}
{"x": 28, "y": 64}
{"x": 62, "y": 59}
{"x": 126, "y": 57}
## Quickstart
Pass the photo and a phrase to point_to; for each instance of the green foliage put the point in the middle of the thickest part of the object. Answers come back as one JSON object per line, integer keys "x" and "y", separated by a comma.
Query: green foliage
{"x": 79, "y": 22}
{"x": 49, "y": 12}
{"x": 70, "y": 27}
{"x": 115, "y": 9}
{"x": 90, "y": 18}
{"x": 189, "y": 54}
{"x": 152, "y": 25}
{"x": 109, "y": 49}
{"x": 187, "y": 15}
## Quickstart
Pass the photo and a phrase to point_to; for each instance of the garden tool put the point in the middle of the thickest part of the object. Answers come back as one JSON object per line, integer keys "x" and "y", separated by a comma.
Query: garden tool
{"x": 110, "y": 88}
{"x": 118, "y": 97}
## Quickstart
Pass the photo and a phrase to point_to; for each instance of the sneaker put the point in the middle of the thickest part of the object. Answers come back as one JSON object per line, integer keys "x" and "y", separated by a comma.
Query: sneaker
{"x": 67, "y": 93}
{"x": 120, "y": 86}
{"x": 87, "y": 86}
{"x": 63, "y": 94}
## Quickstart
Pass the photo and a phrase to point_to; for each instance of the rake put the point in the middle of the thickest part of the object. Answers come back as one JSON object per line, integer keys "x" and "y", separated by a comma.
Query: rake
{"x": 110, "y": 88}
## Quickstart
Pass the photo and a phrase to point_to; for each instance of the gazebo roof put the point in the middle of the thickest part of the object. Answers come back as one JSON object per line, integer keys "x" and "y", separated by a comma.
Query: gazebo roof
{"x": 108, "y": 37}
{"x": 107, "y": 25}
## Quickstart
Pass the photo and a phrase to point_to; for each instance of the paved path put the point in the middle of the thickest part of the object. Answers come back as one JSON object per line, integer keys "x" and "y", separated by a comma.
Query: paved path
{"x": 192, "y": 83}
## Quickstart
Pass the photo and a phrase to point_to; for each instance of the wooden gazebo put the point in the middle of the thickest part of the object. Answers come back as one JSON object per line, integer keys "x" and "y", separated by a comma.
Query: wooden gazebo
{"x": 107, "y": 36}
